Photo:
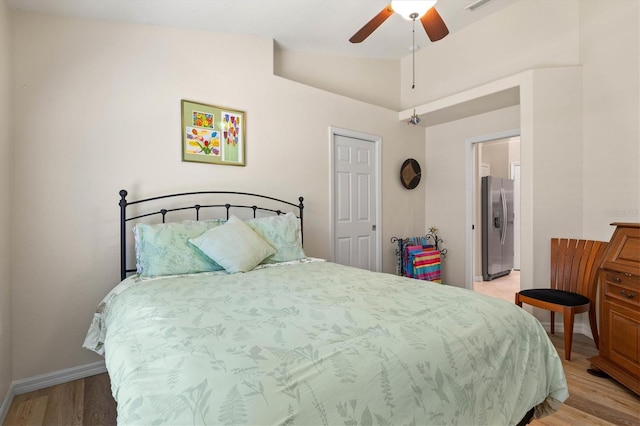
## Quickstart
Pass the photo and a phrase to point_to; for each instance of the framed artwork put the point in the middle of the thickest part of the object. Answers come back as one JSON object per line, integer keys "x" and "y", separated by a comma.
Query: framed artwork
{"x": 212, "y": 134}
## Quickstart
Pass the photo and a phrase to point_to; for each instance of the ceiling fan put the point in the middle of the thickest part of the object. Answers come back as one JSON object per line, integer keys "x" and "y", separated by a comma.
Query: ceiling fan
{"x": 411, "y": 10}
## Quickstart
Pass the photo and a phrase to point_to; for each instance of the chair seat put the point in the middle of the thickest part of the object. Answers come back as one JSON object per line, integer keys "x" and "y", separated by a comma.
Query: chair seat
{"x": 559, "y": 297}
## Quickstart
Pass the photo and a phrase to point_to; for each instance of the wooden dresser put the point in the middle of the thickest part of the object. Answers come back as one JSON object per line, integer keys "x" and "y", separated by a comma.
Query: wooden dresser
{"x": 619, "y": 354}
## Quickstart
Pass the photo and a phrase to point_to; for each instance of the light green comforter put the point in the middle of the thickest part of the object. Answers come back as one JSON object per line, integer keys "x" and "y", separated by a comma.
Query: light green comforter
{"x": 320, "y": 344}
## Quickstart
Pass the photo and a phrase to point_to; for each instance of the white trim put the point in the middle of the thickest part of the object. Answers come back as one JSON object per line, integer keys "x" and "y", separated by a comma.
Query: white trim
{"x": 57, "y": 377}
{"x": 377, "y": 143}
{"x": 46, "y": 380}
{"x": 512, "y": 166}
{"x": 6, "y": 403}
{"x": 469, "y": 167}
{"x": 517, "y": 242}
{"x": 510, "y": 82}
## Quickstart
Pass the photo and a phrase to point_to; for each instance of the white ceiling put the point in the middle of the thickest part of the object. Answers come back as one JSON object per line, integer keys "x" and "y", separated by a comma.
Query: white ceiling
{"x": 319, "y": 26}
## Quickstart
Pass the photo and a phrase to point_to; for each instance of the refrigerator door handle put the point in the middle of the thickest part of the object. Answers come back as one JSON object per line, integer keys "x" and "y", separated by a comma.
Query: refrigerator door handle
{"x": 503, "y": 198}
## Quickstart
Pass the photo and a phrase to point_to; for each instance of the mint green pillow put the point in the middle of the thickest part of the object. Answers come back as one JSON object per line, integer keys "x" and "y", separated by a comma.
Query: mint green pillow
{"x": 234, "y": 246}
{"x": 283, "y": 233}
{"x": 163, "y": 249}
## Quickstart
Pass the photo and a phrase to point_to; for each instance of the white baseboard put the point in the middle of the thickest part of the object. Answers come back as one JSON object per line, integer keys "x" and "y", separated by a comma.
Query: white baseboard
{"x": 57, "y": 377}
{"x": 42, "y": 381}
{"x": 4, "y": 408}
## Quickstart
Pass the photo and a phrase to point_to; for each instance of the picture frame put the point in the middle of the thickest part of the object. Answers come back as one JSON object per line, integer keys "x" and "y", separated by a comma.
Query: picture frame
{"x": 212, "y": 134}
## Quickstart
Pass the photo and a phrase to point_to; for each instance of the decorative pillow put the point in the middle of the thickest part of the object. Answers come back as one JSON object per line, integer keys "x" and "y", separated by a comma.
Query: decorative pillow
{"x": 163, "y": 249}
{"x": 283, "y": 233}
{"x": 234, "y": 246}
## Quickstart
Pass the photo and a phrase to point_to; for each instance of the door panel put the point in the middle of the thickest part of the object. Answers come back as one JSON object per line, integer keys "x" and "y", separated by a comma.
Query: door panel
{"x": 363, "y": 198}
{"x": 343, "y": 191}
{"x": 343, "y": 249}
{"x": 364, "y": 253}
{"x": 355, "y": 235}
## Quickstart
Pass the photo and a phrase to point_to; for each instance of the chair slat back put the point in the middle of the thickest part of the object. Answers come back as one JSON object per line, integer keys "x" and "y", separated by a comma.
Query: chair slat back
{"x": 574, "y": 265}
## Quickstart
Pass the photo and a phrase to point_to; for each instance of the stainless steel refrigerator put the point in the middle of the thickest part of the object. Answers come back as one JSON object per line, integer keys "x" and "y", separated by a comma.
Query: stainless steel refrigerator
{"x": 497, "y": 227}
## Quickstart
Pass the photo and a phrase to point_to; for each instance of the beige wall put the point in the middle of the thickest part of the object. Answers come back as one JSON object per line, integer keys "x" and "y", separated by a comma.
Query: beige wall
{"x": 376, "y": 81}
{"x": 581, "y": 136}
{"x": 446, "y": 177}
{"x": 551, "y": 178}
{"x": 496, "y": 154}
{"x": 521, "y": 36}
{"x": 5, "y": 196}
{"x": 610, "y": 52}
{"x": 107, "y": 101}
{"x": 603, "y": 38}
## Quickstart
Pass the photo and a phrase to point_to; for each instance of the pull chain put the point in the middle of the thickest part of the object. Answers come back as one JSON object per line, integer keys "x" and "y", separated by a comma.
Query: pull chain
{"x": 413, "y": 53}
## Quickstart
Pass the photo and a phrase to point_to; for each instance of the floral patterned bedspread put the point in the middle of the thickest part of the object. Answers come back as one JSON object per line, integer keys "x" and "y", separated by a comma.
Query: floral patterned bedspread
{"x": 320, "y": 344}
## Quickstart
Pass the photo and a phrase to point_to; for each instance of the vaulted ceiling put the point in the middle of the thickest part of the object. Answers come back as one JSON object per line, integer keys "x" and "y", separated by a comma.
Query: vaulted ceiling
{"x": 318, "y": 26}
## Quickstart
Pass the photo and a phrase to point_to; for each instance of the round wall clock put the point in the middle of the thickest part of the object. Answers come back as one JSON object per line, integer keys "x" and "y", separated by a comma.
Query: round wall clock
{"x": 410, "y": 173}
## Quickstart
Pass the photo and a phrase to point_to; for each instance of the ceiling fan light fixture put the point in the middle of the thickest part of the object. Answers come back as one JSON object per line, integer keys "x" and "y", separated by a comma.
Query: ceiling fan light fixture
{"x": 414, "y": 119}
{"x": 412, "y": 9}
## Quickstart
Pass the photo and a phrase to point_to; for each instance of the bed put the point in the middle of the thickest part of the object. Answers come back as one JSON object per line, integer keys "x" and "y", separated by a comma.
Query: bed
{"x": 296, "y": 340}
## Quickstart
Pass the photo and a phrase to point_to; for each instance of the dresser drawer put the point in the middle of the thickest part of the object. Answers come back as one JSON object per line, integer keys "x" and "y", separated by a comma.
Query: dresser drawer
{"x": 620, "y": 342}
{"x": 623, "y": 287}
{"x": 619, "y": 351}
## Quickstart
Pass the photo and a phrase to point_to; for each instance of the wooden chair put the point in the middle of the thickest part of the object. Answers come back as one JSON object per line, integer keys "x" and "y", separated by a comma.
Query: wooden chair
{"x": 574, "y": 278}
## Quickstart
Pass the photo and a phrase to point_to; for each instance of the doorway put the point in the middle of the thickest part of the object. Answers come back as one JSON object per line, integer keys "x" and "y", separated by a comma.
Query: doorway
{"x": 495, "y": 155}
{"x": 355, "y": 199}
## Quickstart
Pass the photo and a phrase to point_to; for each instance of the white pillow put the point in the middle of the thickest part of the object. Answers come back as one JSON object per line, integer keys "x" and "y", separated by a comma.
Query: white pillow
{"x": 234, "y": 246}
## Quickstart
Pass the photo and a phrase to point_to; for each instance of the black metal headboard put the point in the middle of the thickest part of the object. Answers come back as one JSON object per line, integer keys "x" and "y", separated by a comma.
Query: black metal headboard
{"x": 179, "y": 198}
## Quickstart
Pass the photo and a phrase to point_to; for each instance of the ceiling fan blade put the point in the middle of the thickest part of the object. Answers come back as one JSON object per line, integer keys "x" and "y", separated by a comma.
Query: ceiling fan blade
{"x": 371, "y": 26}
{"x": 434, "y": 25}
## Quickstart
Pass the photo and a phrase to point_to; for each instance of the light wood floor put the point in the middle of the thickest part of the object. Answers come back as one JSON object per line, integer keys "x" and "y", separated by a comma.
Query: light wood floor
{"x": 593, "y": 400}
{"x": 81, "y": 402}
{"x": 503, "y": 288}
